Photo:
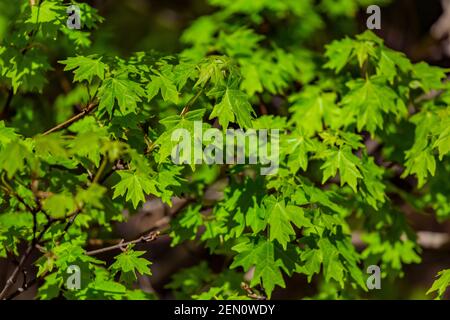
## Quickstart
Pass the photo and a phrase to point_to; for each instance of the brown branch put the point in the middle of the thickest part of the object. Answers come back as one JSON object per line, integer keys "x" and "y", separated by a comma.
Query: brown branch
{"x": 151, "y": 236}
{"x": 100, "y": 170}
{"x": 75, "y": 118}
{"x": 72, "y": 218}
{"x": 24, "y": 287}
{"x": 252, "y": 294}
{"x": 12, "y": 279}
{"x": 121, "y": 245}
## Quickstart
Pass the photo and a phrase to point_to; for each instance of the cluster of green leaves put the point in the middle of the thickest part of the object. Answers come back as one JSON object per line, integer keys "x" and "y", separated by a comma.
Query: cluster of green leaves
{"x": 241, "y": 68}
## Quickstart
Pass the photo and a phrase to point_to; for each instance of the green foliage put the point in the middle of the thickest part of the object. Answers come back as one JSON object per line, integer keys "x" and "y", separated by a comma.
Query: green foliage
{"x": 61, "y": 188}
{"x": 441, "y": 284}
{"x": 128, "y": 263}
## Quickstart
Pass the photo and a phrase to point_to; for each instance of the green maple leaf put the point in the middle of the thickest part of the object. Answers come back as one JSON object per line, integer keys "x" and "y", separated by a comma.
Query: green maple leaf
{"x": 280, "y": 218}
{"x": 429, "y": 77}
{"x": 347, "y": 163}
{"x": 268, "y": 70}
{"x": 182, "y": 72}
{"x": 167, "y": 87}
{"x": 332, "y": 266}
{"x": 363, "y": 50}
{"x": 212, "y": 69}
{"x": 251, "y": 82}
{"x": 298, "y": 146}
{"x": 321, "y": 197}
{"x": 440, "y": 285}
{"x": 50, "y": 145}
{"x": 338, "y": 54}
{"x": 367, "y": 101}
{"x": 443, "y": 143}
{"x": 443, "y": 140}
{"x": 6, "y": 134}
{"x": 59, "y": 205}
{"x": 27, "y": 71}
{"x": 420, "y": 158}
{"x": 51, "y": 287}
{"x": 395, "y": 251}
{"x": 128, "y": 263}
{"x": 86, "y": 144}
{"x": 85, "y": 68}
{"x": 421, "y": 163}
{"x": 135, "y": 185}
{"x": 91, "y": 196}
{"x": 256, "y": 218}
{"x": 390, "y": 61}
{"x": 312, "y": 107}
{"x": 168, "y": 177}
{"x": 186, "y": 225}
{"x": 13, "y": 157}
{"x": 312, "y": 260}
{"x": 373, "y": 190}
{"x": 267, "y": 269}
{"x": 289, "y": 258}
{"x": 165, "y": 141}
{"x": 47, "y": 11}
{"x": 262, "y": 256}
{"x": 233, "y": 107}
{"x": 127, "y": 93}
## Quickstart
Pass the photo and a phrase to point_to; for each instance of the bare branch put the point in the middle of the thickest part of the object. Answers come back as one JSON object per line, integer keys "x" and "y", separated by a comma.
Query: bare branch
{"x": 75, "y": 118}
{"x": 12, "y": 279}
{"x": 121, "y": 245}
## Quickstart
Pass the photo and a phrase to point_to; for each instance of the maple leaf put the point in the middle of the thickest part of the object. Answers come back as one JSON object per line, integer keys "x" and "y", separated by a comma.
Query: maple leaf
{"x": 367, "y": 101}
{"x": 129, "y": 263}
{"x": 127, "y": 93}
{"x": 60, "y": 205}
{"x": 85, "y": 68}
{"x": 135, "y": 185}
{"x": 14, "y": 156}
{"x": 162, "y": 83}
{"x": 347, "y": 163}
{"x": 280, "y": 217}
{"x": 429, "y": 77}
{"x": 390, "y": 62}
{"x": 440, "y": 285}
{"x": 311, "y": 108}
{"x": 233, "y": 107}
{"x": 340, "y": 52}
{"x": 420, "y": 158}
{"x": 262, "y": 256}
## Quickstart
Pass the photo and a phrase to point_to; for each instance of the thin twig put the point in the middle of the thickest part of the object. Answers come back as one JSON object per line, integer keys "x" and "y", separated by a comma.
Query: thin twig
{"x": 191, "y": 102}
{"x": 144, "y": 239}
{"x": 100, "y": 170}
{"x": 20, "y": 290}
{"x": 72, "y": 219}
{"x": 251, "y": 293}
{"x": 12, "y": 279}
{"x": 75, "y": 118}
